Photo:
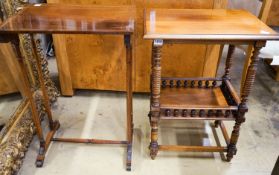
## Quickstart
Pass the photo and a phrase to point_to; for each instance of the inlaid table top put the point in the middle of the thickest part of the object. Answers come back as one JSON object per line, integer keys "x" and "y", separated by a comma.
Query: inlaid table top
{"x": 205, "y": 24}
{"x": 62, "y": 18}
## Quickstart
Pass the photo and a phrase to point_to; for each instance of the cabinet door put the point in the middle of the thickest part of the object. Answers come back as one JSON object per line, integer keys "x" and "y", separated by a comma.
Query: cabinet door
{"x": 273, "y": 17}
{"x": 7, "y": 84}
{"x": 98, "y": 62}
{"x": 10, "y": 74}
{"x": 90, "y": 61}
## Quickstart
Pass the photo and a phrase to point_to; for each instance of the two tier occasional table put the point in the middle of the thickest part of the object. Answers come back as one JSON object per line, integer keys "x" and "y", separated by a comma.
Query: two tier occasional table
{"x": 211, "y": 98}
{"x": 73, "y": 19}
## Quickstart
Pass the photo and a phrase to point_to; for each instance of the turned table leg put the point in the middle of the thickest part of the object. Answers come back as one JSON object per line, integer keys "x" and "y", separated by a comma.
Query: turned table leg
{"x": 154, "y": 147}
{"x": 229, "y": 62}
{"x": 155, "y": 96}
{"x": 227, "y": 72}
{"x": 249, "y": 81}
{"x": 129, "y": 102}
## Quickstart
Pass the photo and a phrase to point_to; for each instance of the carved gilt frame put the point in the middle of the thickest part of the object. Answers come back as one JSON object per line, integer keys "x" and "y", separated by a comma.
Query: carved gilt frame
{"x": 18, "y": 132}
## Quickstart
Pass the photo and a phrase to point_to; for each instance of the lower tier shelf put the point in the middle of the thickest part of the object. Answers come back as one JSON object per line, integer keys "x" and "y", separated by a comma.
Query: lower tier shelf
{"x": 204, "y": 99}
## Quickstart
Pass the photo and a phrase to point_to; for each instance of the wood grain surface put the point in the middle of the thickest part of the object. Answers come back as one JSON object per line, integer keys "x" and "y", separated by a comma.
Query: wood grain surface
{"x": 273, "y": 17}
{"x": 10, "y": 81}
{"x": 189, "y": 98}
{"x": 97, "y": 62}
{"x": 7, "y": 83}
{"x": 72, "y": 19}
{"x": 205, "y": 24}
{"x": 190, "y": 60}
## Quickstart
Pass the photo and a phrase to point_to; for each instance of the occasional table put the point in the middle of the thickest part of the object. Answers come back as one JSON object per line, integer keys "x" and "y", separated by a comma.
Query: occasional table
{"x": 72, "y": 19}
{"x": 174, "y": 98}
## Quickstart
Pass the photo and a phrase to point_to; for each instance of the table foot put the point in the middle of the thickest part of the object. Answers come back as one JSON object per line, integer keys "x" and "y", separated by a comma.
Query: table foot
{"x": 129, "y": 157}
{"x": 153, "y": 150}
{"x": 229, "y": 158}
{"x": 45, "y": 145}
{"x": 217, "y": 123}
{"x": 40, "y": 161}
{"x": 128, "y": 167}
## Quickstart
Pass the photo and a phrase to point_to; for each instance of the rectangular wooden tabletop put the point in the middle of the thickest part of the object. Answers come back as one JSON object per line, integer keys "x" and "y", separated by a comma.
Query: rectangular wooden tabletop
{"x": 205, "y": 24}
{"x": 62, "y": 18}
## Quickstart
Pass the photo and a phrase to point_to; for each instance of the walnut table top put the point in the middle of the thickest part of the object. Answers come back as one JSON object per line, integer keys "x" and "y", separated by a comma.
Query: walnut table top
{"x": 62, "y": 18}
{"x": 205, "y": 24}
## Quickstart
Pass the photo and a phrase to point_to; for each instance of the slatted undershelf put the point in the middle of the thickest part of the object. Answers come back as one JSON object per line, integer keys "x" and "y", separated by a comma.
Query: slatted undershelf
{"x": 198, "y": 99}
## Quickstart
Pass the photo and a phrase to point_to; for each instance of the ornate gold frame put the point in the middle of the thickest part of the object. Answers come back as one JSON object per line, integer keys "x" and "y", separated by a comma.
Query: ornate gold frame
{"x": 15, "y": 138}
{"x": 17, "y": 134}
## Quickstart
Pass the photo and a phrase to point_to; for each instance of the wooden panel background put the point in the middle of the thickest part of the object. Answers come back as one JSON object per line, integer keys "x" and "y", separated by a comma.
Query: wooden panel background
{"x": 7, "y": 84}
{"x": 9, "y": 73}
{"x": 273, "y": 17}
{"x": 90, "y": 61}
{"x": 97, "y": 62}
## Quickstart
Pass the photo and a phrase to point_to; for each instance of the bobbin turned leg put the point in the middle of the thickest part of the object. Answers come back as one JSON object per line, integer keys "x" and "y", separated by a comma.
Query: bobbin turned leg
{"x": 226, "y": 75}
{"x": 129, "y": 103}
{"x": 155, "y": 96}
{"x": 235, "y": 133}
{"x": 154, "y": 147}
{"x": 229, "y": 62}
{"x": 242, "y": 109}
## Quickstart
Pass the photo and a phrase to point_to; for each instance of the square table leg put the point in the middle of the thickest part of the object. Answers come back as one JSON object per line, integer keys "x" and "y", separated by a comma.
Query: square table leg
{"x": 129, "y": 97}
{"x": 54, "y": 125}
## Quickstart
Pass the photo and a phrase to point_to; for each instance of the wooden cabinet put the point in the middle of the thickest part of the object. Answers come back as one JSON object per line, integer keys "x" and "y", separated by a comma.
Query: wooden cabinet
{"x": 273, "y": 17}
{"x": 96, "y": 62}
{"x": 10, "y": 73}
{"x": 7, "y": 84}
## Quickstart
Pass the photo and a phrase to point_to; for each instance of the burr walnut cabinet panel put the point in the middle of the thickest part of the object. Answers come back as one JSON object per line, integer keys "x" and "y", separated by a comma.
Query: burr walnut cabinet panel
{"x": 7, "y": 84}
{"x": 93, "y": 62}
{"x": 273, "y": 16}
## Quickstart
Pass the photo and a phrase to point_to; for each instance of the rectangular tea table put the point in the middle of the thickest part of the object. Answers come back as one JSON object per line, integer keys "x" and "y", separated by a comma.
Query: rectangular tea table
{"x": 72, "y": 19}
{"x": 174, "y": 98}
